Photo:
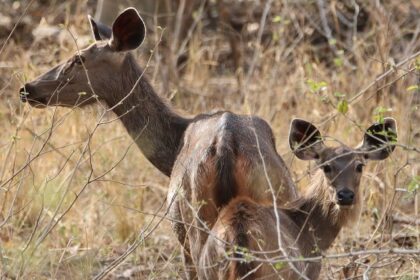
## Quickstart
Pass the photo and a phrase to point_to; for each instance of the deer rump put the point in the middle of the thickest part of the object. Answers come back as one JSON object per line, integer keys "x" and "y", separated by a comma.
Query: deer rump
{"x": 242, "y": 215}
{"x": 241, "y": 222}
{"x": 213, "y": 171}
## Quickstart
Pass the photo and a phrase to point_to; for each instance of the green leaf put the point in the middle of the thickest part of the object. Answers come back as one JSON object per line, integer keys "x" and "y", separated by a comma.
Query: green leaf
{"x": 279, "y": 265}
{"x": 339, "y": 94}
{"x": 316, "y": 86}
{"x": 276, "y": 19}
{"x": 322, "y": 84}
{"x": 343, "y": 107}
{"x": 276, "y": 36}
{"x": 338, "y": 61}
{"x": 379, "y": 113}
{"x": 412, "y": 88}
{"x": 417, "y": 64}
{"x": 414, "y": 184}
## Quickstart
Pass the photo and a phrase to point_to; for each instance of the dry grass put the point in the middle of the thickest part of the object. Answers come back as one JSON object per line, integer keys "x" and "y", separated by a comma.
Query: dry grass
{"x": 56, "y": 222}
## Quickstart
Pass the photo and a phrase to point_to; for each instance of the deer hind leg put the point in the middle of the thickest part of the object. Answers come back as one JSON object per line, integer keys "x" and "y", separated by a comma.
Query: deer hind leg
{"x": 179, "y": 228}
{"x": 188, "y": 263}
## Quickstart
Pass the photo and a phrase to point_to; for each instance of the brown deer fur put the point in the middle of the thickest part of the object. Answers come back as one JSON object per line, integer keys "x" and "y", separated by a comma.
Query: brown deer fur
{"x": 219, "y": 161}
{"x": 246, "y": 228}
{"x": 211, "y": 150}
{"x": 226, "y": 175}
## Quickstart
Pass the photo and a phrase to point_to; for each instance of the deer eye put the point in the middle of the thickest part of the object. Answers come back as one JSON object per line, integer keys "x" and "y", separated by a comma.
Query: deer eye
{"x": 326, "y": 168}
{"x": 78, "y": 60}
{"x": 359, "y": 167}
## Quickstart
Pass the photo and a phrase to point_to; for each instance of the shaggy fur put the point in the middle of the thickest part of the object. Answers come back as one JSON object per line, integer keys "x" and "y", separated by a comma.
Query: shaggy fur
{"x": 305, "y": 228}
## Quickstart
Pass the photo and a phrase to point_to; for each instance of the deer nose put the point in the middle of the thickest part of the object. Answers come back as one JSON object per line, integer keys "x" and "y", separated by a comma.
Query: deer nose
{"x": 24, "y": 92}
{"x": 345, "y": 197}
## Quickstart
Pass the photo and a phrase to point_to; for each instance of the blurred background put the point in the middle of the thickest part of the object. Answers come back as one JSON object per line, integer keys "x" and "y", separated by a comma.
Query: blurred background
{"x": 68, "y": 211}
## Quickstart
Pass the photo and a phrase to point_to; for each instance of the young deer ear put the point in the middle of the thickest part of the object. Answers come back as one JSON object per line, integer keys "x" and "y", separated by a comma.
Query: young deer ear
{"x": 379, "y": 140}
{"x": 128, "y": 31}
{"x": 305, "y": 140}
{"x": 100, "y": 31}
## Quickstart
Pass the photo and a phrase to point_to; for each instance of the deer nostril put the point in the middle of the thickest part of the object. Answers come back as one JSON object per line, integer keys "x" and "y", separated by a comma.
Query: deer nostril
{"x": 23, "y": 94}
{"x": 28, "y": 94}
{"x": 345, "y": 197}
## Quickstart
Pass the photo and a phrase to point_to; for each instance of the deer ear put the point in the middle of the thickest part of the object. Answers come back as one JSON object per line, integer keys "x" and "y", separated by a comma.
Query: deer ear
{"x": 100, "y": 31}
{"x": 128, "y": 31}
{"x": 305, "y": 140}
{"x": 379, "y": 140}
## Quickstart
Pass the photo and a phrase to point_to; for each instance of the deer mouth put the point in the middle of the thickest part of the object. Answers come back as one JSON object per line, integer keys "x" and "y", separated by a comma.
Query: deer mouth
{"x": 345, "y": 207}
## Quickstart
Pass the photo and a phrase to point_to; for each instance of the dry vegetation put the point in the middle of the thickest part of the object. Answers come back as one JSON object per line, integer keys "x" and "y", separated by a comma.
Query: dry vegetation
{"x": 72, "y": 201}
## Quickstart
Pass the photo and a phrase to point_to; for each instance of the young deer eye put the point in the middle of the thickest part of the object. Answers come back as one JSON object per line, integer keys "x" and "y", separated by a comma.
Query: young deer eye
{"x": 359, "y": 167}
{"x": 326, "y": 168}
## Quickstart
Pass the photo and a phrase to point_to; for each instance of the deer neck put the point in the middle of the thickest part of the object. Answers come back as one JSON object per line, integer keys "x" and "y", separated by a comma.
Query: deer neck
{"x": 149, "y": 120}
{"x": 319, "y": 217}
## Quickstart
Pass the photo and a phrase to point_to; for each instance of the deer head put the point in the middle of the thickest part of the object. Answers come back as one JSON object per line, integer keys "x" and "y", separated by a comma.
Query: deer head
{"x": 343, "y": 166}
{"x": 88, "y": 75}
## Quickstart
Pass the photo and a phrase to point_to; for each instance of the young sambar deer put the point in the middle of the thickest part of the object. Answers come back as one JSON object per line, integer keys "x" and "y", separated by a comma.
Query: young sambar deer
{"x": 253, "y": 240}
{"x": 107, "y": 71}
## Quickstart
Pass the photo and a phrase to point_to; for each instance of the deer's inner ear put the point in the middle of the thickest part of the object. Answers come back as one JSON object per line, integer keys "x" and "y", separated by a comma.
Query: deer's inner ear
{"x": 305, "y": 140}
{"x": 128, "y": 31}
{"x": 379, "y": 140}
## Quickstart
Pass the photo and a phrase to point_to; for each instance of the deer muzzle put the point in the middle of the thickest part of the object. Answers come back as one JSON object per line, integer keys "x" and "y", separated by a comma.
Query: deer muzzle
{"x": 28, "y": 94}
{"x": 345, "y": 197}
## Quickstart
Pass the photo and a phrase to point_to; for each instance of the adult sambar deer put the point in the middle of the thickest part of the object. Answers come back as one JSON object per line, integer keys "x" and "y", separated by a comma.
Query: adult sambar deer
{"x": 253, "y": 240}
{"x": 107, "y": 71}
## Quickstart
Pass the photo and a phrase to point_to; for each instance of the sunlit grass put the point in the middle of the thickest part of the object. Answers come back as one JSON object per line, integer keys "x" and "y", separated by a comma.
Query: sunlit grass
{"x": 44, "y": 184}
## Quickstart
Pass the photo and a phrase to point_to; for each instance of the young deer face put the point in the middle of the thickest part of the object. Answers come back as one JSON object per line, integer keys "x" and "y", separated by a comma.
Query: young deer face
{"x": 87, "y": 76}
{"x": 343, "y": 166}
